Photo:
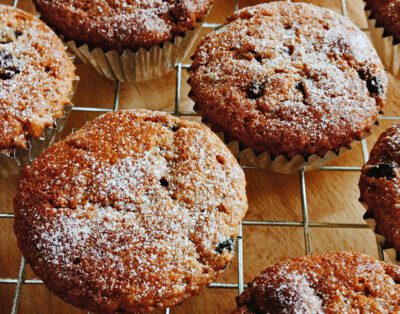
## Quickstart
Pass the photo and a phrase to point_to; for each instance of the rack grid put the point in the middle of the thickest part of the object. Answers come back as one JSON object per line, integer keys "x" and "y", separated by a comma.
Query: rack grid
{"x": 305, "y": 224}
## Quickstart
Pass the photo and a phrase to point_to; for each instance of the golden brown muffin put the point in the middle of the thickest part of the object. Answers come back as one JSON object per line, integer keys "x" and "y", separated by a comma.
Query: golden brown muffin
{"x": 380, "y": 187}
{"x": 328, "y": 283}
{"x": 288, "y": 79}
{"x": 137, "y": 210}
{"x": 36, "y": 78}
{"x": 123, "y": 24}
{"x": 387, "y": 15}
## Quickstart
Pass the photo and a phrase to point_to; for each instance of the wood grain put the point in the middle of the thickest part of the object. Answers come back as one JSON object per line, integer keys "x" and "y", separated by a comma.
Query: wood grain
{"x": 332, "y": 195}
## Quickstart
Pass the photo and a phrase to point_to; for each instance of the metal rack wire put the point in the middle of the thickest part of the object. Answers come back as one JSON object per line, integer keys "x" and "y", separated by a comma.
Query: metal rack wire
{"x": 306, "y": 224}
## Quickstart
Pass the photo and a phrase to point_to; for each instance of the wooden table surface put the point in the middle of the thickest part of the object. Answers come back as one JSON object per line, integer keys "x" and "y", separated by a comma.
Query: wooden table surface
{"x": 331, "y": 195}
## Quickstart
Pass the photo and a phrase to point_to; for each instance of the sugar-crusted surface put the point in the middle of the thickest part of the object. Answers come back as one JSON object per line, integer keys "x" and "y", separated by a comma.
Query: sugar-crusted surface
{"x": 135, "y": 211}
{"x": 36, "y": 77}
{"x": 387, "y": 15}
{"x": 123, "y": 24}
{"x": 340, "y": 282}
{"x": 380, "y": 187}
{"x": 288, "y": 78}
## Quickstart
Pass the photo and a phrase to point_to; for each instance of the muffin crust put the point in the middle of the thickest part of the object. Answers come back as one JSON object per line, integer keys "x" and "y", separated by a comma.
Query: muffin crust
{"x": 380, "y": 187}
{"x": 123, "y": 24}
{"x": 329, "y": 283}
{"x": 288, "y": 78}
{"x": 36, "y": 78}
{"x": 137, "y": 210}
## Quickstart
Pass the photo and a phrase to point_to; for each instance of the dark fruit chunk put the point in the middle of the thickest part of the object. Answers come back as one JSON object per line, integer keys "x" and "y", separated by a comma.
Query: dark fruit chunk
{"x": 256, "y": 89}
{"x": 387, "y": 171}
{"x": 300, "y": 86}
{"x": 8, "y": 66}
{"x": 374, "y": 84}
{"x": 174, "y": 128}
{"x": 164, "y": 182}
{"x": 228, "y": 245}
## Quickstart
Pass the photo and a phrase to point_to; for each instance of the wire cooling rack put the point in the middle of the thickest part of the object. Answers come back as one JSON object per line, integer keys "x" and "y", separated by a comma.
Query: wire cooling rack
{"x": 305, "y": 223}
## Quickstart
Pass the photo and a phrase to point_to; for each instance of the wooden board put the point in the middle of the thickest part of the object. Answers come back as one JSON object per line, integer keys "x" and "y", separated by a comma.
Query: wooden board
{"x": 332, "y": 196}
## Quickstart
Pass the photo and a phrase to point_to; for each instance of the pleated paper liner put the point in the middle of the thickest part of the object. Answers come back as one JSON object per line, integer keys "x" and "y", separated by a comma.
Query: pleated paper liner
{"x": 368, "y": 217}
{"x": 388, "y": 52}
{"x": 136, "y": 66}
{"x": 248, "y": 158}
{"x": 11, "y": 160}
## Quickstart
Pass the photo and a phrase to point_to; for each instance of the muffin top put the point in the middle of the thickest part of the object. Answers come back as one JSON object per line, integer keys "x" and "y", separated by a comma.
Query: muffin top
{"x": 380, "y": 186}
{"x": 36, "y": 78}
{"x": 387, "y": 15}
{"x": 340, "y": 282}
{"x": 288, "y": 78}
{"x": 135, "y": 211}
{"x": 123, "y": 24}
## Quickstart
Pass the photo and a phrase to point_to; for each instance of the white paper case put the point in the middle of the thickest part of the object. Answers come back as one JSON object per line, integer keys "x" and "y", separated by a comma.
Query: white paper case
{"x": 137, "y": 66}
{"x": 12, "y": 160}
{"x": 388, "y": 52}
{"x": 248, "y": 158}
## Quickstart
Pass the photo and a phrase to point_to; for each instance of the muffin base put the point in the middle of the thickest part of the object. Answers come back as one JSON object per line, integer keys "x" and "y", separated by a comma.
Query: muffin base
{"x": 141, "y": 65}
{"x": 247, "y": 157}
{"x": 388, "y": 52}
{"x": 380, "y": 238}
{"x": 280, "y": 164}
{"x": 12, "y": 160}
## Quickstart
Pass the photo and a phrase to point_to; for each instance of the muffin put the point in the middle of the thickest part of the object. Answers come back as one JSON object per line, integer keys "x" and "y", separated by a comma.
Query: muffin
{"x": 290, "y": 81}
{"x": 329, "y": 283}
{"x": 380, "y": 186}
{"x": 36, "y": 84}
{"x": 383, "y": 21}
{"x": 136, "y": 211}
{"x": 127, "y": 40}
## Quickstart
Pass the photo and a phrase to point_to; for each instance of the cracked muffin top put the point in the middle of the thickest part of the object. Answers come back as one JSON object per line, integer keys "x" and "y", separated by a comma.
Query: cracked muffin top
{"x": 387, "y": 15}
{"x": 36, "y": 78}
{"x": 380, "y": 187}
{"x": 340, "y": 282}
{"x": 137, "y": 210}
{"x": 123, "y": 24}
{"x": 288, "y": 78}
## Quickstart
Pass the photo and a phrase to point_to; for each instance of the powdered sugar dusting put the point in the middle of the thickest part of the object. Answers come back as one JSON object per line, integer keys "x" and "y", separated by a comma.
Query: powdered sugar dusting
{"x": 339, "y": 282}
{"x": 136, "y": 205}
{"x": 36, "y": 77}
{"x": 123, "y": 24}
{"x": 289, "y": 78}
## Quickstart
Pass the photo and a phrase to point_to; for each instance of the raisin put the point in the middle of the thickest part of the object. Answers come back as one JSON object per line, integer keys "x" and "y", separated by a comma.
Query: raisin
{"x": 8, "y": 66}
{"x": 256, "y": 89}
{"x": 383, "y": 170}
{"x": 175, "y": 128}
{"x": 164, "y": 182}
{"x": 228, "y": 245}
{"x": 374, "y": 84}
{"x": 300, "y": 86}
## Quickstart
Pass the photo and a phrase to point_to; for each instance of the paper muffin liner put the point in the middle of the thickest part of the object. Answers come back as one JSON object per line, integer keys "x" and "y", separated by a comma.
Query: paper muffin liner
{"x": 380, "y": 238}
{"x": 388, "y": 52}
{"x": 136, "y": 66}
{"x": 12, "y": 160}
{"x": 248, "y": 158}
